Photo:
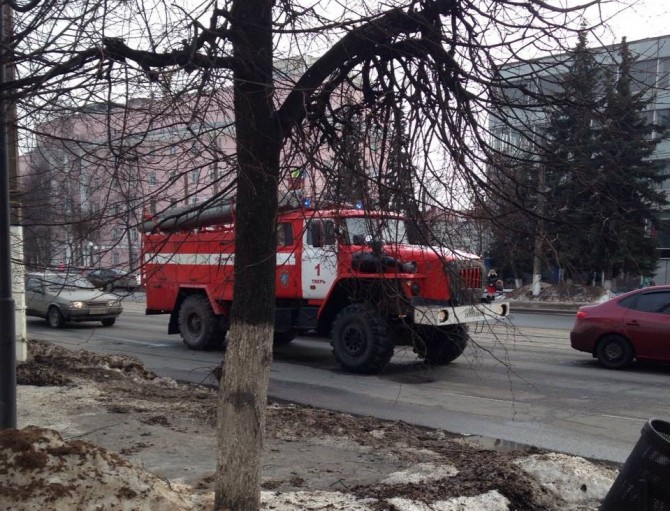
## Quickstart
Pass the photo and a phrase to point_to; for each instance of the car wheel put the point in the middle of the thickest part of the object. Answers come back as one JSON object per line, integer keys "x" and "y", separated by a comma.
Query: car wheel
{"x": 55, "y": 318}
{"x": 615, "y": 352}
{"x": 108, "y": 322}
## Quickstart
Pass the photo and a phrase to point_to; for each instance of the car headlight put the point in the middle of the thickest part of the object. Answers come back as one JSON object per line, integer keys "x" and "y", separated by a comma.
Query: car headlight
{"x": 113, "y": 303}
{"x": 77, "y": 305}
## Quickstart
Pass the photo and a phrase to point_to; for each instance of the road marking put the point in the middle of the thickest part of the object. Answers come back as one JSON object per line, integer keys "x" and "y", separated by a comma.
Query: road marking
{"x": 128, "y": 341}
{"x": 625, "y": 418}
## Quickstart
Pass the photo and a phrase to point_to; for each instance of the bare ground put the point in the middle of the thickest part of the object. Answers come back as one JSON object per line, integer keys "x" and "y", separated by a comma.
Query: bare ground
{"x": 160, "y": 436}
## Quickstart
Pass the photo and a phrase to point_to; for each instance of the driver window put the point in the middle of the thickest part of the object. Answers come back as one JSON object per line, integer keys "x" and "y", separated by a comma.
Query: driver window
{"x": 321, "y": 233}
{"x": 329, "y": 233}
{"x": 284, "y": 235}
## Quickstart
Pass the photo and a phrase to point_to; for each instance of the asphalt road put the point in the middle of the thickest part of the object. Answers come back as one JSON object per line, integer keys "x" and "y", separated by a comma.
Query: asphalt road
{"x": 519, "y": 382}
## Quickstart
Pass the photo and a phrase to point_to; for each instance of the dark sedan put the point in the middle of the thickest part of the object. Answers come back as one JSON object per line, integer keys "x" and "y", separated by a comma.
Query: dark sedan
{"x": 110, "y": 279}
{"x": 634, "y": 325}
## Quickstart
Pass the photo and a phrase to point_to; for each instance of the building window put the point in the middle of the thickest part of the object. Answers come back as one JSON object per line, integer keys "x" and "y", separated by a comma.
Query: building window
{"x": 152, "y": 179}
{"x": 664, "y": 75}
{"x": 643, "y": 75}
{"x": 195, "y": 176}
{"x": 551, "y": 85}
{"x": 663, "y": 122}
{"x": 213, "y": 172}
{"x": 152, "y": 206}
{"x": 115, "y": 258}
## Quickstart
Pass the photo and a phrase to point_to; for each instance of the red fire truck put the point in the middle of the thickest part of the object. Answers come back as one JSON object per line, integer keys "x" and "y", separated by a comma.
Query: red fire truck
{"x": 343, "y": 272}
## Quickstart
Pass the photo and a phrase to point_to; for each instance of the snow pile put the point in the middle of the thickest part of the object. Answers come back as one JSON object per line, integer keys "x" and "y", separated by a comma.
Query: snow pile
{"x": 41, "y": 471}
{"x": 421, "y": 473}
{"x": 570, "y": 478}
{"x": 489, "y": 501}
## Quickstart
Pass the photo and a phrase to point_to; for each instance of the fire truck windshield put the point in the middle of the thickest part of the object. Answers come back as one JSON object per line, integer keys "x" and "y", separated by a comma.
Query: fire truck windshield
{"x": 362, "y": 230}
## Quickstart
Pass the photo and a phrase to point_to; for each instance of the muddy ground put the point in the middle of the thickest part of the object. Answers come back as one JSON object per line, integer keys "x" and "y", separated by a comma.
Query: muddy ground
{"x": 313, "y": 458}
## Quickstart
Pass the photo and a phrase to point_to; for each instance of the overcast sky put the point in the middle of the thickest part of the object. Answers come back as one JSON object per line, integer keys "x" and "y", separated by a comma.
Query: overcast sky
{"x": 641, "y": 19}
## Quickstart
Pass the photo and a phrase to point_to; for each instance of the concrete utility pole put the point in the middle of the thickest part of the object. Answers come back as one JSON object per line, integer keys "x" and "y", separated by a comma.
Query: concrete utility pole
{"x": 7, "y": 323}
{"x": 539, "y": 232}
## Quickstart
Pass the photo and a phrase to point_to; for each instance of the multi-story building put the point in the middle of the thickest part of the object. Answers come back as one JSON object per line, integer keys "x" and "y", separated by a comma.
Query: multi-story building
{"x": 89, "y": 178}
{"x": 650, "y": 73}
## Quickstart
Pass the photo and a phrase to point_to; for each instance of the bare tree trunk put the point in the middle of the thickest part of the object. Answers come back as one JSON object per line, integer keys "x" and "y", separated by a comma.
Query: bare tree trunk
{"x": 246, "y": 370}
{"x": 241, "y": 424}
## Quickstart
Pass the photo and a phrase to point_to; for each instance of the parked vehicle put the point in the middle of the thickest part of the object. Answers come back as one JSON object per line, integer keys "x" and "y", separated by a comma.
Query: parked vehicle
{"x": 61, "y": 298}
{"x": 110, "y": 279}
{"x": 344, "y": 272}
{"x": 635, "y": 325}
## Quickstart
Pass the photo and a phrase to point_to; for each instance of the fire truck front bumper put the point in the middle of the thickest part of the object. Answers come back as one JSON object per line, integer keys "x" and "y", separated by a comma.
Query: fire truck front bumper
{"x": 437, "y": 314}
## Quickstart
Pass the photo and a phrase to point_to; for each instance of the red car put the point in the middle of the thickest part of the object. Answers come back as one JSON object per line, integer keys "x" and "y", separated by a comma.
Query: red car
{"x": 634, "y": 325}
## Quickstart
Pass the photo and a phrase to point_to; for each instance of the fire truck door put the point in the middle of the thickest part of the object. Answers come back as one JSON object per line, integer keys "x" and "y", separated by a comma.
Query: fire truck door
{"x": 319, "y": 258}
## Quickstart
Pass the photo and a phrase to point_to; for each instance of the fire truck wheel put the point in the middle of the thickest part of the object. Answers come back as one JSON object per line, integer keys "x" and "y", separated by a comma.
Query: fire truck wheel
{"x": 198, "y": 326}
{"x": 439, "y": 346}
{"x": 281, "y": 338}
{"x": 360, "y": 339}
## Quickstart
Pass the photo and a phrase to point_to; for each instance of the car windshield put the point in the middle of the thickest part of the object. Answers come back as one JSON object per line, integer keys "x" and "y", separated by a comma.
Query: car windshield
{"x": 67, "y": 281}
{"x": 362, "y": 230}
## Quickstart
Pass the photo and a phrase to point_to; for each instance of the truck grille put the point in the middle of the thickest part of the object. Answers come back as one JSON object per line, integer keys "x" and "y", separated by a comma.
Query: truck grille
{"x": 470, "y": 278}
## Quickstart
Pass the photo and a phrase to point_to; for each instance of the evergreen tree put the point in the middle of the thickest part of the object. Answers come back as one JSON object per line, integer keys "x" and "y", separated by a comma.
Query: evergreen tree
{"x": 626, "y": 199}
{"x": 569, "y": 157}
{"x": 601, "y": 182}
{"x": 512, "y": 229}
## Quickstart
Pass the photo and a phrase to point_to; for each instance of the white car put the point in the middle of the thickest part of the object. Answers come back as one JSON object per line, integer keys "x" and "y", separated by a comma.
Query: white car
{"x": 61, "y": 298}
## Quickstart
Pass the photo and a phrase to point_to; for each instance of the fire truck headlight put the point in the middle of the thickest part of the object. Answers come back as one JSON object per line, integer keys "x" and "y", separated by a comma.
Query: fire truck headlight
{"x": 442, "y": 316}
